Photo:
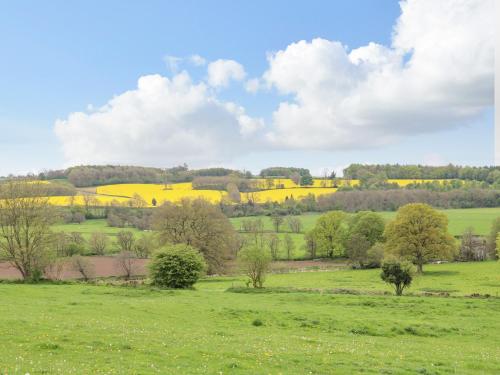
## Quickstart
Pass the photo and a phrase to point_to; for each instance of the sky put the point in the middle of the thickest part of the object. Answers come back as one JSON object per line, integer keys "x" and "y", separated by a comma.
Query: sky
{"x": 247, "y": 85}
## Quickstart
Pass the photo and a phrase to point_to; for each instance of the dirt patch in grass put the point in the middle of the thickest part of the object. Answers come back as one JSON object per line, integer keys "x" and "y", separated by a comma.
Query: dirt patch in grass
{"x": 104, "y": 266}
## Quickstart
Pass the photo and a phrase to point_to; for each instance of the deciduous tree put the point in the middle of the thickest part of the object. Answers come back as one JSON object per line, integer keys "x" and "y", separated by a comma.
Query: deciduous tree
{"x": 331, "y": 232}
{"x": 255, "y": 262}
{"x": 25, "y": 220}
{"x": 419, "y": 233}
{"x": 200, "y": 224}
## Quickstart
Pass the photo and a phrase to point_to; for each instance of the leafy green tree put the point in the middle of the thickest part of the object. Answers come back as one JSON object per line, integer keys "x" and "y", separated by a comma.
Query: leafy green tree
{"x": 255, "y": 261}
{"x": 176, "y": 266}
{"x": 331, "y": 232}
{"x": 306, "y": 180}
{"x": 357, "y": 247}
{"x": 375, "y": 255}
{"x": 370, "y": 225}
{"x": 419, "y": 233}
{"x": 398, "y": 274}
{"x": 366, "y": 229}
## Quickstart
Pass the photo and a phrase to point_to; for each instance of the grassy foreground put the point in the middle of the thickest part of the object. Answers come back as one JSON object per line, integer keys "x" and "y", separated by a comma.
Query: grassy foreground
{"x": 75, "y": 329}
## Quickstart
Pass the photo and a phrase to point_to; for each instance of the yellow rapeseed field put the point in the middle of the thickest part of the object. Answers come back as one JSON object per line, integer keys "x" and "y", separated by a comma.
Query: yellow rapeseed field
{"x": 79, "y": 200}
{"x": 121, "y": 194}
{"x": 174, "y": 193}
{"x": 280, "y": 195}
{"x": 406, "y": 182}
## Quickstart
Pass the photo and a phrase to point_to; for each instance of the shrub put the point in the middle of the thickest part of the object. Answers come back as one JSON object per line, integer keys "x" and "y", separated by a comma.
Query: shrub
{"x": 399, "y": 274}
{"x": 255, "y": 261}
{"x": 176, "y": 266}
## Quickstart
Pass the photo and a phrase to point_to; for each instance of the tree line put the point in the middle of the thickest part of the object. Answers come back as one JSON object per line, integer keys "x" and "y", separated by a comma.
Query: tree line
{"x": 95, "y": 175}
{"x": 488, "y": 174}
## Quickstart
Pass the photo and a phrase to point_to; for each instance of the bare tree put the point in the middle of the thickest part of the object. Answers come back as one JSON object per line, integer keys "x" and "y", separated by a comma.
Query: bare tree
{"x": 137, "y": 201}
{"x": 126, "y": 262}
{"x": 289, "y": 246}
{"x": 277, "y": 221}
{"x": 295, "y": 224}
{"x": 273, "y": 241}
{"x": 61, "y": 241}
{"x": 233, "y": 192}
{"x": 269, "y": 183}
{"x": 145, "y": 245}
{"x": 125, "y": 240}
{"x": 98, "y": 243}
{"x": 55, "y": 269}
{"x": 311, "y": 244}
{"x": 324, "y": 182}
{"x": 83, "y": 266}
{"x": 295, "y": 177}
{"x": 25, "y": 220}
{"x": 199, "y": 224}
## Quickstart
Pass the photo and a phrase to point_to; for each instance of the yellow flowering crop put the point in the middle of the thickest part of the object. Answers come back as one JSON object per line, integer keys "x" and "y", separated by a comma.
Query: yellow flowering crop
{"x": 173, "y": 193}
{"x": 280, "y": 195}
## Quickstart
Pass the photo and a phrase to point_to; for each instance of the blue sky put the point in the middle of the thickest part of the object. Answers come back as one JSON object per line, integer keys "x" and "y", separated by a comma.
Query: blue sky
{"x": 59, "y": 57}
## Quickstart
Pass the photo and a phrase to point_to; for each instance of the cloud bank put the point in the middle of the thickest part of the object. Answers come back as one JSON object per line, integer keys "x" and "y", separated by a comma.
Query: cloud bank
{"x": 437, "y": 73}
{"x": 161, "y": 122}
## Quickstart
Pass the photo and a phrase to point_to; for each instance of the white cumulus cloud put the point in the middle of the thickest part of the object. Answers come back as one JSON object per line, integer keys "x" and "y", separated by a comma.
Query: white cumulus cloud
{"x": 437, "y": 73}
{"x": 222, "y": 72}
{"x": 161, "y": 122}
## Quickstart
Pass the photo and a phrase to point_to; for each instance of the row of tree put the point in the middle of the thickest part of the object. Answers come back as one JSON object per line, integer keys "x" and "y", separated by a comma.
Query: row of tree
{"x": 95, "y": 175}
{"x": 489, "y": 174}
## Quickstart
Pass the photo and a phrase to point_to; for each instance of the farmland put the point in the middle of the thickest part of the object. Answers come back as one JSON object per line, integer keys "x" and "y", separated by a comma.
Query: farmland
{"x": 106, "y": 330}
{"x": 459, "y": 219}
{"x": 312, "y": 316}
{"x": 271, "y": 190}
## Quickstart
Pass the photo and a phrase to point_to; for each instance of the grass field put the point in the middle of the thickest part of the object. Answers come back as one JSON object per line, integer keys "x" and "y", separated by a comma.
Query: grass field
{"x": 75, "y": 329}
{"x": 459, "y": 219}
{"x": 92, "y": 226}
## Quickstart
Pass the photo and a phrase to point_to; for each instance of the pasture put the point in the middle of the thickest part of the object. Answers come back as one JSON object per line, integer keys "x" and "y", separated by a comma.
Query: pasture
{"x": 459, "y": 219}
{"x": 80, "y": 328}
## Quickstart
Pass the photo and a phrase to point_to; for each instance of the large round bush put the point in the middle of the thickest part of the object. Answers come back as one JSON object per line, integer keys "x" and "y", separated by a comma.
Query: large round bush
{"x": 176, "y": 266}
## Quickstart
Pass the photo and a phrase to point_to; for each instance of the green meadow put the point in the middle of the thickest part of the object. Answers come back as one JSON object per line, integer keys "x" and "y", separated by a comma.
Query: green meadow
{"x": 459, "y": 219}
{"x": 301, "y": 323}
